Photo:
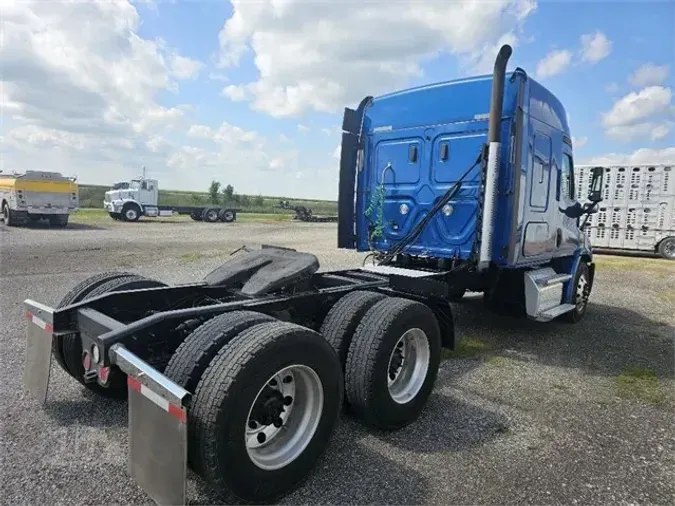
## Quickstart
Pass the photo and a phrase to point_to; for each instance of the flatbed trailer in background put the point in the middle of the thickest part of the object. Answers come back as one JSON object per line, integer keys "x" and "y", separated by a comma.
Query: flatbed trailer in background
{"x": 638, "y": 209}
{"x": 37, "y": 195}
{"x": 303, "y": 213}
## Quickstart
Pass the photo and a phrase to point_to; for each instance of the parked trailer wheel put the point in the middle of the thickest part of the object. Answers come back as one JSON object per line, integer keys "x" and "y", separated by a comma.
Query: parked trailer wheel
{"x": 227, "y": 216}
{"x": 210, "y": 215}
{"x": 667, "y": 248}
{"x": 582, "y": 291}
{"x": 72, "y": 345}
{"x": 196, "y": 215}
{"x": 393, "y": 362}
{"x": 264, "y": 411}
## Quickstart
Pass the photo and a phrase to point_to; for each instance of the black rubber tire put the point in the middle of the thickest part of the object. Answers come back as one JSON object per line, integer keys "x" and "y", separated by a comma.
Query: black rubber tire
{"x": 126, "y": 207}
{"x": 77, "y": 294}
{"x": 8, "y": 216}
{"x": 193, "y": 356}
{"x": 341, "y": 321}
{"x": 210, "y": 215}
{"x": 58, "y": 220}
{"x": 196, "y": 215}
{"x": 368, "y": 360}
{"x": 223, "y": 398}
{"x": 226, "y": 216}
{"x": 72, "y": 345}
{"x": 667, "y": 248}
{"x": 577, "y": 314}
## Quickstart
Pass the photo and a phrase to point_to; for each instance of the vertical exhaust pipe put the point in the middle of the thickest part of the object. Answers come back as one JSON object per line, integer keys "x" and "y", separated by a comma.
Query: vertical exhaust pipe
{"x": 492, "y": 171}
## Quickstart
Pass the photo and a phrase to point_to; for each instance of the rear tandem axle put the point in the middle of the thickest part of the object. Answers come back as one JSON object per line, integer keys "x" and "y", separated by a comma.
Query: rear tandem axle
{"x": 242, "y": 376}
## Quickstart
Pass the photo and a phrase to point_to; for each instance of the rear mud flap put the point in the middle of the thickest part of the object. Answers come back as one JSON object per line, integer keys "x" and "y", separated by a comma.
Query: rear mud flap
{"x": 39, "y": 335}
{"x": 157, "y": 430}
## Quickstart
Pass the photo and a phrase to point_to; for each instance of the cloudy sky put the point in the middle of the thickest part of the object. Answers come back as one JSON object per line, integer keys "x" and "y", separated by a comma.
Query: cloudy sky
{"x": 251, "y": 92}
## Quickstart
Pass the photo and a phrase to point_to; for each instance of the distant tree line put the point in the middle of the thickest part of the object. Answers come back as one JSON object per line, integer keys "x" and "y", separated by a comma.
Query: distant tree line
{"x": 227, "y": 197}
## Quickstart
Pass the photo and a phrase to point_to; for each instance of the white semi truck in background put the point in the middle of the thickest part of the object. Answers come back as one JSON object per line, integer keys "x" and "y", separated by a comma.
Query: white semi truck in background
{"x": 637, "y": 213}
{"x": 36, "y": 195}
{"x": 129, "y": 200}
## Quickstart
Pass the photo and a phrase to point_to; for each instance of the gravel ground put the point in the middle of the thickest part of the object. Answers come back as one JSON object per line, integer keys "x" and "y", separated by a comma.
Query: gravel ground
{"x": 522, "y": 413}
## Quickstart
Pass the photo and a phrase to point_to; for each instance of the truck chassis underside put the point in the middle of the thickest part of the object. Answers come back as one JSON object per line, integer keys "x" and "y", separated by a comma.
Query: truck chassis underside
{"x": 127, "y": 338}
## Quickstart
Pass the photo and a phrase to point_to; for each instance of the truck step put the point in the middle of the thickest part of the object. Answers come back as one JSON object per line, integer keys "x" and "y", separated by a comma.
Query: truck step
{"x": 543, "y": 291}
{"x": 560, "y": 278}
{"x": 554, "y": 312}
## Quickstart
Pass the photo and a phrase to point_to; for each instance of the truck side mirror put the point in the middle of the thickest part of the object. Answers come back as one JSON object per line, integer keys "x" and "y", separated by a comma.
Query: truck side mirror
{"x": 597, "y": 175}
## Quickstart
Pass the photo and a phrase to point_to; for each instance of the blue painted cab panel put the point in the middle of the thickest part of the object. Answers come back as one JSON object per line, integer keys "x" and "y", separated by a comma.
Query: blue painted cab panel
{"x": 419, "y": 142}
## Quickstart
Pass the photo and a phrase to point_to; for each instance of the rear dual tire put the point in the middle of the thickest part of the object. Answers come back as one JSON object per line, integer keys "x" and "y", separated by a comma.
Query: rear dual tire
{"x": 67, "y": 349}
{"x": 372, "y": 333}
{"x": 227, "y": 414}
{"x": 392, "y": 363}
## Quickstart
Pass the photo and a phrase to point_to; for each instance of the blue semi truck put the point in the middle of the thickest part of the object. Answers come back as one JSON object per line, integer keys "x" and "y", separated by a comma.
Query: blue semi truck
{"x": 240, "y": 376}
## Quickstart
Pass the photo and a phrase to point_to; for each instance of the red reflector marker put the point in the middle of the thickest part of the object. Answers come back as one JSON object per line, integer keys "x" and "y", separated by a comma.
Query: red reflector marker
{"x": 86, "y": 361}
{"x": 103, "y": 373}
{"x": 175, "y": 411}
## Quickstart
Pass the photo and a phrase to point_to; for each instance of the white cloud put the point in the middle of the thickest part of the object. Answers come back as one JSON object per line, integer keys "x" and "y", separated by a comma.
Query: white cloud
{"x": 648, "y": 74}
{"x": 579, "y": 142}
{"x": 337, "y": 153}
{"x": 628, "y": 133}
{"x": 81, "y": 93}
{"x": 553, "y": 63}
{"x": 638, "y": 157}
{"x": 595, "y": 47}
{"x": 185, "y": 68}
{"x": 337, "y": 52}
{"x": 226, "y": 134}
{"x": 637, "y": 106}
{"x": 661, "y": 131}
{"x": 303, "y": 128}
{"x": 235, "y": 93}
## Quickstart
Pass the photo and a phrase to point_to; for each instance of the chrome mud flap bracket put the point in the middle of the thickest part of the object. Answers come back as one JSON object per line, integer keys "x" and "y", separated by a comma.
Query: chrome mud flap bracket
{"x": 39, "y": 335}
{"x": 157, "y": 429}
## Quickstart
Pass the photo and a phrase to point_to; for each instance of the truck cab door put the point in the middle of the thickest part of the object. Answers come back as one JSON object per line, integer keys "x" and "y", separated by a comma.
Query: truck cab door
{"x": 147, "y": 194}
{"x": 568, "y": 234}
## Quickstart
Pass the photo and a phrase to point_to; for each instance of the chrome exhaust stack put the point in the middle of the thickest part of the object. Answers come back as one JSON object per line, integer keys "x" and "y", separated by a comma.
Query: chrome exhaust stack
{"x": 494, "y": 145}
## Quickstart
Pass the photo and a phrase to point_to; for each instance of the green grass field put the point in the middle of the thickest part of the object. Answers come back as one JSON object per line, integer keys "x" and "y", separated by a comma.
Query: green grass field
{"x": 86, "y": 216}
{"x": 91, "y": 197}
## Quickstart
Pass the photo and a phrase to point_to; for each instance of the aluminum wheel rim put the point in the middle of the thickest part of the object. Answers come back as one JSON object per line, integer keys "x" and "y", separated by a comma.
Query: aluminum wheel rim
{"x": 582, "y": 293}
{"x": 270, "y": 446}
{"x": 130, "y": 214}
{"x": 212, "y": 215}
{"x": 408, "y": 366}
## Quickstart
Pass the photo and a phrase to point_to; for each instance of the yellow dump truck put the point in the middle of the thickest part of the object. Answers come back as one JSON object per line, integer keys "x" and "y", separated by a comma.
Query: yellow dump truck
{"x": 37, "y": 195}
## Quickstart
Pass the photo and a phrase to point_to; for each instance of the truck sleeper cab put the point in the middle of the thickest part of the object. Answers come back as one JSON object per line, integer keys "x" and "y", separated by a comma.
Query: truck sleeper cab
{"x": 241, "y": 375}
{"x": 404, "y": 151}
